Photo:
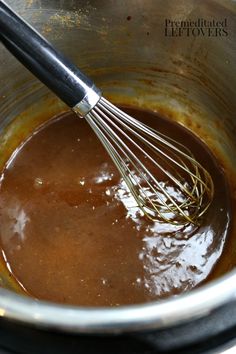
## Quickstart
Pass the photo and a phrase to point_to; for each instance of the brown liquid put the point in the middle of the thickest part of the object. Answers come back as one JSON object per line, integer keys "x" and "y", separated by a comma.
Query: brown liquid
{"x": 67, "y": 235}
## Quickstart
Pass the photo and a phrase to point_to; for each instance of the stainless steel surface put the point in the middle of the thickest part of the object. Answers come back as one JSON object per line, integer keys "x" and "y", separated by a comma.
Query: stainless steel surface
{"x": 229, "y": 348}
{"x": 88, "y": 102}
{"x": 229, "y": 351}
{"x": 189, "y": 78}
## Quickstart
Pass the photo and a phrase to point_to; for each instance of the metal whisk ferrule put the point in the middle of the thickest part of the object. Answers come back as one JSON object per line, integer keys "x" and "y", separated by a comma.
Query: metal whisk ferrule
{"x": 91, "y": 98}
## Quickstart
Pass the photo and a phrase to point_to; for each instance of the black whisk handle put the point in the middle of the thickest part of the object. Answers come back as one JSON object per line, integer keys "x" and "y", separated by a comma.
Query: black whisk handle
{"x": 45, "y": 62}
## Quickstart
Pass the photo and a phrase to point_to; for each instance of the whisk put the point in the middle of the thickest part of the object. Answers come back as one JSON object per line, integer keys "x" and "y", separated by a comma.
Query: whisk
{"x": 162, "y": 175}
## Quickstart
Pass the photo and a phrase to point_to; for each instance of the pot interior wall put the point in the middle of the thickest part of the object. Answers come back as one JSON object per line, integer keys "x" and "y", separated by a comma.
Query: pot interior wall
{"x": 123, "y": 47}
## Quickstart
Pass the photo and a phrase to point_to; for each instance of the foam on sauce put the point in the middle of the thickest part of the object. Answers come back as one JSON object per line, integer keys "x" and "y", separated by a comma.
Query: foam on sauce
{"x": 71, "y": 233}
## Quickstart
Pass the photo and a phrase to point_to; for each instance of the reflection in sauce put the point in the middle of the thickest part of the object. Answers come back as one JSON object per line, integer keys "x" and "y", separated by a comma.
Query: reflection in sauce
{"x": 71, "y": 233}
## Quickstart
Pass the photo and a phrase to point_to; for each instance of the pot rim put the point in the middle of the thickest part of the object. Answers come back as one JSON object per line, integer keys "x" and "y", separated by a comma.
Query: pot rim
{"x": 197, "y": 303}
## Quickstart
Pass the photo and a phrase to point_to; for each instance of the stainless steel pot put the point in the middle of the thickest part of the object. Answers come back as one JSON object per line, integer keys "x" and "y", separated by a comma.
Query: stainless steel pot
{"x": 125, "y": 48}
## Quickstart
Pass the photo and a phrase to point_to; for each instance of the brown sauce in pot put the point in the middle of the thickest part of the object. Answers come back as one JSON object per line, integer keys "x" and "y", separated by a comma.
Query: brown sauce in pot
{"x": 67, "y": 234}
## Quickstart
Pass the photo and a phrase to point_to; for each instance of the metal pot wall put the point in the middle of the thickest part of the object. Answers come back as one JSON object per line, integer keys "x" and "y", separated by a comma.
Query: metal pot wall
{"x": 123, "y": 46}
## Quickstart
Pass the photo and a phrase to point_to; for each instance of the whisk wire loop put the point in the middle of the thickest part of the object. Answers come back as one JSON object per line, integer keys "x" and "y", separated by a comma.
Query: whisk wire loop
{"x": 162, "y": 175}
{"x": 117, "y": 140}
